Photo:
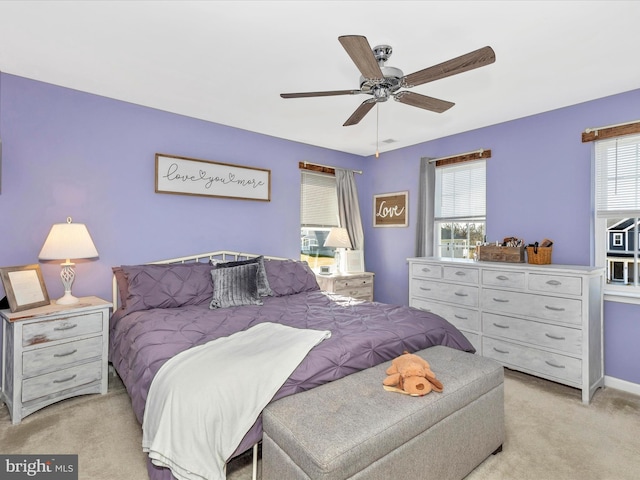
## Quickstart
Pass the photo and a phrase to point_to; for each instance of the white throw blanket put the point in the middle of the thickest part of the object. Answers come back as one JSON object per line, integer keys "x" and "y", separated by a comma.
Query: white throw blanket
{"x": 203, "y": 401}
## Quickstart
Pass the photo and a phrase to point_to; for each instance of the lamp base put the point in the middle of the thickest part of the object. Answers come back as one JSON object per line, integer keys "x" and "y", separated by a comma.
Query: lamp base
{"x": 67, "y": 299}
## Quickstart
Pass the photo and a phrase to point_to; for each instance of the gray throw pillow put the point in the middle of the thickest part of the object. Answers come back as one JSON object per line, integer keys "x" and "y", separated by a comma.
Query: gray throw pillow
{"x": 235, "y": 286}
{"x": 264, "y": 290}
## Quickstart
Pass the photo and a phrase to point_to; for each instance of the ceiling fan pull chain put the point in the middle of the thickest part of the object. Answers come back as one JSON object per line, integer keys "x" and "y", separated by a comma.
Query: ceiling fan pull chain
{"x": 377, "y": 128}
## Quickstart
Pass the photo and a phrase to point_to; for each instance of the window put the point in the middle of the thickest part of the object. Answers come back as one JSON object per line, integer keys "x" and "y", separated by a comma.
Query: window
{"x": 460, "y": 208}
{"x": 617, "y": 213}
{"x": 318, "y": 214}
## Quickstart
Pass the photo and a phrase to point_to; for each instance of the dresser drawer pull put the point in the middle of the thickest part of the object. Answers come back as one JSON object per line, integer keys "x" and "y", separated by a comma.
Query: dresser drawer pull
{"x": 555, "y": 309}
{"x": 460, "y": 317}
{"x": 500, "y": 300}
{"x": 555, "y": 365}
{"x": 460, "y": 294}
{"x": 500, "y": 351}
{"x": 554, "y": 337}
{"x": 425, "y": 289}
{"x": 57, "y": 355}
{"x": 500, "y": 326}
{"x": 426, "y": 270}
{"x": 64, "y": 380}
{"x": 66, "y": 327}
{"x": 460, "y": 273}
{"x": 554, "y": 282}
{"x": 502, "y": 277}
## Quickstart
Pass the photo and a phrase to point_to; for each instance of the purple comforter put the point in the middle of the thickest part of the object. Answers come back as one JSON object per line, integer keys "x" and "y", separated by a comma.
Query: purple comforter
{"x": 364, "y": 334}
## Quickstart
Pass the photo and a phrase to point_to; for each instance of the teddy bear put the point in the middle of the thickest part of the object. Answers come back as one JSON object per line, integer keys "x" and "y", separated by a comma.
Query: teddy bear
{"x": 412, "y": 375}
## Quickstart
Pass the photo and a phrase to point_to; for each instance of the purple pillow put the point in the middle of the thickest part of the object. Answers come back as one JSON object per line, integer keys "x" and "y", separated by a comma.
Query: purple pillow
{"x": 167, "y": 286}
{"x": 287, "y": 277}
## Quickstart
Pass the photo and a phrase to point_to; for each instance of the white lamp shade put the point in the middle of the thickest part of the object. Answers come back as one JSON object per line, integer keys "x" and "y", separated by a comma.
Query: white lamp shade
{"x": 338, "y": 238}
{"x": 68, "y": 241}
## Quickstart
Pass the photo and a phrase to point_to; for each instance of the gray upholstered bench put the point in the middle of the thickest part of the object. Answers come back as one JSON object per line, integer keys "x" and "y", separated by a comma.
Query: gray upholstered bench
{"x": 353, "y": 429}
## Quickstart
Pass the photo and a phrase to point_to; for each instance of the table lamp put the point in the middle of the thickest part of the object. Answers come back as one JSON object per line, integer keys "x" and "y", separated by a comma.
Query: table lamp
{"x": 68, "y": 241}
{"x": 338, "y": 238}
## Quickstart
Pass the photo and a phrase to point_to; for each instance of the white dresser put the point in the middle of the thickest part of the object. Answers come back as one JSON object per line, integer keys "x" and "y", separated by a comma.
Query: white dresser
{"x": 545, "y": 320}
{"x": 53, "y": 352}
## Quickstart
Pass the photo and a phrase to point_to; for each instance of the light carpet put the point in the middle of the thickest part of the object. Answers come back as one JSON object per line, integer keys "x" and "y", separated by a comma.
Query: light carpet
{"x": 550, "y": 434}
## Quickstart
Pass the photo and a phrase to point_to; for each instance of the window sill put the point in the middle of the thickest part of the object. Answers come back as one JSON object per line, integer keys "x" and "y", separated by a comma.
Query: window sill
{"x": 622, "y": 297}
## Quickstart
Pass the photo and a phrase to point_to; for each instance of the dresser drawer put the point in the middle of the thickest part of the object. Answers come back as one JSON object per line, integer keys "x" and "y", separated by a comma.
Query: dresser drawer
{"x": 426, "y": 270}
{"x": 49, "y": 359}
{"x": 461, "y": 318}
{"x": 498, "y": 278}
{"x": 566, "y": 310}
{"x": 558, "y": 337}
{"x": 50, "y": 383}
{"x": 68, "y": 327}
{"x": 461, "y": 274}
{"x": 463, "y": 295}
{"x": 561, "y": 367}
{"x": 555, "y": 284}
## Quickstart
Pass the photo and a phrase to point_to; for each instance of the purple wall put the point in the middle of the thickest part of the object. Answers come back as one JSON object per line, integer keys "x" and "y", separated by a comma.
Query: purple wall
{"x": 538, "y": 185}
{"x": 68, "y": 153}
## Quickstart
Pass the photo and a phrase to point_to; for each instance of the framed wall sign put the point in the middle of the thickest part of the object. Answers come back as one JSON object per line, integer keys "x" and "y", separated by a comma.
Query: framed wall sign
{"x": 391, "y": 209}
{"x": 191, "y": 176}
{"x": 24, "y": 287}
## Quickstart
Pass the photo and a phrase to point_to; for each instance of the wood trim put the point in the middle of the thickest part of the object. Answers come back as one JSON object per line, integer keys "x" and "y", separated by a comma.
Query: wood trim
{"x": 465, "y": 157}
{"x": 594, "y": 134}
{"x": 316, "y": 168}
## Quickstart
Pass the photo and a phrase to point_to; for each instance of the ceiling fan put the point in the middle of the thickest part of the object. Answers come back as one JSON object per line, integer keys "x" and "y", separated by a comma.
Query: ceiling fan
{"x": 383, "y": 82}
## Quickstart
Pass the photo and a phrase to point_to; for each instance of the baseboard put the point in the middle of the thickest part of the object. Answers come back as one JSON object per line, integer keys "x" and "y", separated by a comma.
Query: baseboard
{"x": 623, "y": 385}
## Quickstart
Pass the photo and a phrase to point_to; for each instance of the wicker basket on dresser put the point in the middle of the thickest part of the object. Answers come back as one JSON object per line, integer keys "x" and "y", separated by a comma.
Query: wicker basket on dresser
{"x": 545, "y": 320}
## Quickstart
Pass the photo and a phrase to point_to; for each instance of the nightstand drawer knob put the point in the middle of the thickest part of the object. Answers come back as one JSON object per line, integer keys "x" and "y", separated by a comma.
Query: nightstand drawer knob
{"x": 57, "y": 355}
{"x": 65, "y": 380}
{"x": 65, "y": 327}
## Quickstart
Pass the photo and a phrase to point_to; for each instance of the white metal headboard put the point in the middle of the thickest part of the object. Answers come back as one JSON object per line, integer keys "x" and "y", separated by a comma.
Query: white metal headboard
{"x": 220, "y": 255}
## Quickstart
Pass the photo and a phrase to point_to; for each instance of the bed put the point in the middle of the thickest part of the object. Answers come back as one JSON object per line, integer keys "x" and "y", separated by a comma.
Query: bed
{"x": 168, "y": 307}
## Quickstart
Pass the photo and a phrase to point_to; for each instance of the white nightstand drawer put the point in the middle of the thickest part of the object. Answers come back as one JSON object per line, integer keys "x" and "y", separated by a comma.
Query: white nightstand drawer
{"x": 556, "y": 284}
{"x": 566, "y": 310}
{"x": 49, "y": 359}
{"x": 461, "y": 274}
{"x": 426, "y": 270}
{"x": 457, "y": 294}
{"x": 348, "y": 283}
{"x": 498, "y": 278}
{"x": 50, "y": 383}
{"x": 558, "y": 337}
{"x": 365, "y": 292}
{"x": 68, "y": 327}
{"x": 563, "y": 368}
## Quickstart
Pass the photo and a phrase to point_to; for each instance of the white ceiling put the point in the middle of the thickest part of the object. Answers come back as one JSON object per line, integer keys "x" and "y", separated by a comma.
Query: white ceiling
{"x": 227, "y": 62}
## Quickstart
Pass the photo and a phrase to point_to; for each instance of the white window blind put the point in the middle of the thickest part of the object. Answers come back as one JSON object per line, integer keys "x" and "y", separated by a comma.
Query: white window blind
{"x": 618, "y": 176}
{"x": 318, "y": 200}
{"x": 461, "y": 191}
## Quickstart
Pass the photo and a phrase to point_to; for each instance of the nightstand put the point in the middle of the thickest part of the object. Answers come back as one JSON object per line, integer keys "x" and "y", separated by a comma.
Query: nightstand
{"x": 356, "y": 285}
{"x": 53, "y": 352}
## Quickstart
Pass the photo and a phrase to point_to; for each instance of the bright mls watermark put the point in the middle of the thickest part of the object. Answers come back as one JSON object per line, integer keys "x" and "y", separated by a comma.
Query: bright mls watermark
{"x": 49, "y": 467}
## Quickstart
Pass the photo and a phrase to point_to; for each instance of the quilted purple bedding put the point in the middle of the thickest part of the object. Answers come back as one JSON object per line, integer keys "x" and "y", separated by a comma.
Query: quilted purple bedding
{"x": 364, "y": 334}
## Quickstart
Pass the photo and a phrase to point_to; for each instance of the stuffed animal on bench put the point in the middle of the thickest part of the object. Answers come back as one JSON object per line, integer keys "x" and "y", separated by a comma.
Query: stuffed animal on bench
{"x": 412, "y": 375}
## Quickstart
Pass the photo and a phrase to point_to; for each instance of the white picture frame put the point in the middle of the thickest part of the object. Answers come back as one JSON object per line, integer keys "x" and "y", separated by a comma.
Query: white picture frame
{"x": 352, "y": 261}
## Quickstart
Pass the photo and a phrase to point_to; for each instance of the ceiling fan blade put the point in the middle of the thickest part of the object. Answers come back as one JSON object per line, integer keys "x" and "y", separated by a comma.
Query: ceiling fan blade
{"x": 477, "y": 58}
{"x": 360, "y": 112}
{"x": 422, "y": 101}
{"x": 361, "y": 53}
{"x": 320, "y": 94}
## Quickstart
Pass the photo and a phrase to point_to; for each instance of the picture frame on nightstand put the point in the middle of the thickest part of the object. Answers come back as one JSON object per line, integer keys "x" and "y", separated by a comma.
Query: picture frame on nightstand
{"x": 24, "y": 287}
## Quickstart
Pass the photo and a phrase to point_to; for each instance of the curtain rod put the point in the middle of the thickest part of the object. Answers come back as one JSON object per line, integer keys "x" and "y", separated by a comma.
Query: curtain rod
{"x": 589, "y": 130}
{"x": 479, "y": 152}
{"x": 329, "y": 166}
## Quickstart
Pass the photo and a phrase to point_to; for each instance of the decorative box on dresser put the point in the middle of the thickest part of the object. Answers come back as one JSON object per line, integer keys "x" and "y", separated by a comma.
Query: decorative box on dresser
{"x": 53, "y": 352}
{"x": 545, "y": 320}
{"x": 356, "y": 285}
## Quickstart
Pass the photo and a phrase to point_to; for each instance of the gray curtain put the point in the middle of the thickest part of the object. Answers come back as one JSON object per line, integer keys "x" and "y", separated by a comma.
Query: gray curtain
{"x": 349, "y": 208}
{"x": 426, "y": 192}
